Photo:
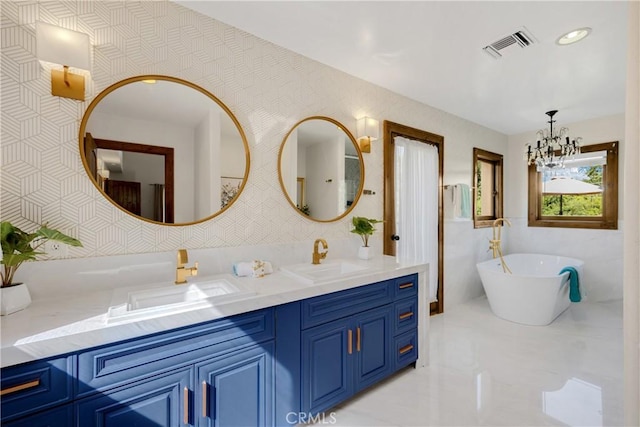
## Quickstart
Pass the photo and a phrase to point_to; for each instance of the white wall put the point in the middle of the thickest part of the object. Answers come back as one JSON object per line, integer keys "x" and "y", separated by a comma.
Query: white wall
{"x": 464, "y": 246}
{"x": 203, "y": 145}
{"x": 600, "y": 249}
{"x": 267, "y": 88}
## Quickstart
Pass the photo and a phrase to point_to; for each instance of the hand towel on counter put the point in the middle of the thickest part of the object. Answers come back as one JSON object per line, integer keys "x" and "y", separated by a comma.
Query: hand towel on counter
{"x": 255, "y": 268}
{"x": 574, "y": 284}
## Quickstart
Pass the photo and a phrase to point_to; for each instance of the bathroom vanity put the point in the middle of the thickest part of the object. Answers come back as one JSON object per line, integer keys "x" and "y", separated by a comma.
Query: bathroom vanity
{"x": 273, "y": 358}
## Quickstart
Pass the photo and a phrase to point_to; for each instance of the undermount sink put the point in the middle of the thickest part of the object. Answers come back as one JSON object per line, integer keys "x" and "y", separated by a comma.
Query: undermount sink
{"x": 326, "y": 271}
{"x": 171, "y": 299}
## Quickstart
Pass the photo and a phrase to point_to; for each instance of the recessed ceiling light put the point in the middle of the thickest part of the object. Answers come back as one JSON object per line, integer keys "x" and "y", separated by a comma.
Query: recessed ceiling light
{"x": 573, "y": 36}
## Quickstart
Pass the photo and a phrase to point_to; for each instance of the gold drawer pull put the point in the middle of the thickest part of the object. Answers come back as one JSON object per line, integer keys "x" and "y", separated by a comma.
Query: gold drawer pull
{"x": 406, "y": 285}
{"x": 406, "y": 349}
{"x": 185, "y": 402}
{"x": 350, "y": 341}
{"x": 204, "y": 399}
{"x": 19, "y": 387}
{"x": 358, "y": 338}
{"x": 406, "y": 315}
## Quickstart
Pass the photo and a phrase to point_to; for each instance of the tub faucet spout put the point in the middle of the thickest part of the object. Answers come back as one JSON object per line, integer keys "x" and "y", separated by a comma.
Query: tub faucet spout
{"x": 494, "y": 244}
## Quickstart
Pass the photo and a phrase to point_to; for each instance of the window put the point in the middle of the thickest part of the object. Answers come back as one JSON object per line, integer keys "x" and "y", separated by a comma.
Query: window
{"x": 583, "y": 194}
{"x": 487, "y": 197}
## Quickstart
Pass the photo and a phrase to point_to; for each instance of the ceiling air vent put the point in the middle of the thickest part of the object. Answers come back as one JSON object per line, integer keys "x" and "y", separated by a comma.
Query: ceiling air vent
{"x": 520, "y": 38}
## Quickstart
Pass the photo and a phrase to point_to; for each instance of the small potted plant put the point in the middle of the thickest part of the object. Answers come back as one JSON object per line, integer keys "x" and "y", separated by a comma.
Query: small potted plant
{"x": 17, "y": 247}
{"x": 364, "y": 227}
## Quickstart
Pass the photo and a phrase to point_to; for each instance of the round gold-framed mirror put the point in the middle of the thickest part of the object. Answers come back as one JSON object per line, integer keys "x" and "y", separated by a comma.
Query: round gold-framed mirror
{"x": 320, "y": 168}
{"x": 164, "y": 150}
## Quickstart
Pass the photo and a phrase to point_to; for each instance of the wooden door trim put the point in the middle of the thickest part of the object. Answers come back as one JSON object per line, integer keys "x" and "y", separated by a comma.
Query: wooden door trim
{"x": 167, "y": 152}
{"x": 390, "y": 131}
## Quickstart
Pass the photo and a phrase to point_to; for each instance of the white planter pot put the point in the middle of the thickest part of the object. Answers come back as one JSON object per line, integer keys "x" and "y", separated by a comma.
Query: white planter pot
{"x": 14, "y": 298}
{"x": 365, "y": 252}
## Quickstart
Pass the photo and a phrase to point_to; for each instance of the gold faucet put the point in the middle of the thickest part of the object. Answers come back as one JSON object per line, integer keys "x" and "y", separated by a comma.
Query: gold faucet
{"x": 317, "y": 256}
{"x": 494, "y": 244}
{"x": 183, "y": 272}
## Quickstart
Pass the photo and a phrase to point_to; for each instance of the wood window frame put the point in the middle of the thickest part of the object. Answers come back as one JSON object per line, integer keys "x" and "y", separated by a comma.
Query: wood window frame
{"x": 609, "y": 218}
{"x": 498, "y": 170}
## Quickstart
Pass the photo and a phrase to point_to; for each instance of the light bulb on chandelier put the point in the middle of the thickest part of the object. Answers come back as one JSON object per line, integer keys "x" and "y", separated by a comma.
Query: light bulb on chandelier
{"x": 552, "y": 147}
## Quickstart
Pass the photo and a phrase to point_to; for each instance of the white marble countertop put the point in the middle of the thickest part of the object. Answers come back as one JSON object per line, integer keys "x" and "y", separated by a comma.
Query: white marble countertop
{"x": 68, "y": 323}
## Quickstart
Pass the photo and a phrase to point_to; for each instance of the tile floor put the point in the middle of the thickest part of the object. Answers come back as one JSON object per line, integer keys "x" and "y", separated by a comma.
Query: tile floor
{"x": 488, "y": 371}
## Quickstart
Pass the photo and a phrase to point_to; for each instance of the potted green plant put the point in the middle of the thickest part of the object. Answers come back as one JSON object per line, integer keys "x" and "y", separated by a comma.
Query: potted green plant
{"x": 364, "y": 227}
{"x": 17, "y": 247}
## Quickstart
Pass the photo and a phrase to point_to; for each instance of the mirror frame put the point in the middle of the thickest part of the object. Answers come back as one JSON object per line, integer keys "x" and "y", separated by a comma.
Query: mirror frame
{"x": 121, "y": 83}
{"x": 360, "y": 158}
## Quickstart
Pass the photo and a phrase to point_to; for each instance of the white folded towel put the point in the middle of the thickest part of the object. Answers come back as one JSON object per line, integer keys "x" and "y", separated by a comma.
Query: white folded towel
{"x": 255, "y": 268}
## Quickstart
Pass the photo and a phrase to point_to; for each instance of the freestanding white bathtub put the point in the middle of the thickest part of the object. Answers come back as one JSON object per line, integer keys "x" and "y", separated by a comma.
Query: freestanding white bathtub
{"x": 534, "y": 294}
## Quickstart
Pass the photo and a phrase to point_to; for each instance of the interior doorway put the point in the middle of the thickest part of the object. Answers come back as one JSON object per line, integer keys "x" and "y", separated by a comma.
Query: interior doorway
{"x": 391, "y": 238}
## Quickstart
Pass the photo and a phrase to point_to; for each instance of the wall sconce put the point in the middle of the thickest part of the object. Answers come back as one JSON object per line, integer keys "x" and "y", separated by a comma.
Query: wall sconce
{"x": 67, "y": 48}
{"x": 366, "y": 131}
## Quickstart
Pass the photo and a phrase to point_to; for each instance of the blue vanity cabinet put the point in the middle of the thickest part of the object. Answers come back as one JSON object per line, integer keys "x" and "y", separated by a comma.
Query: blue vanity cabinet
{"x": 36, "y": 386}
{"x": 215, "y": 373}
{"x": 237, "y": 389}
{"x": 352, "y": 339}
{"x": 342, "y": 357}
{"x": 164, "y": 400}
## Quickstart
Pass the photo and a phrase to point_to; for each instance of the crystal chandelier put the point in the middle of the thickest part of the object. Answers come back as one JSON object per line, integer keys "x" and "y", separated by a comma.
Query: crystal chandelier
{"x": 552, "y": 146}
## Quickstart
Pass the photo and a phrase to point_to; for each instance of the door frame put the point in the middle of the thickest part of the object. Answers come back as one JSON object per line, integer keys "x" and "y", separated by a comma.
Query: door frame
{"x": 168, "y": 155}
{"x": 390, "y": 131}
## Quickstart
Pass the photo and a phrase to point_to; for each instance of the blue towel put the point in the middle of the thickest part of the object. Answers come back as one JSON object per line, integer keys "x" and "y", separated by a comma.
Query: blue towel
{"x": 465, "y": 203}
{"x": 574, "y": 284}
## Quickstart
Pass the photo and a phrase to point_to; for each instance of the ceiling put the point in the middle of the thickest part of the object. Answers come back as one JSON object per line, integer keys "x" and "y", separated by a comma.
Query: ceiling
{"x": 432, "y": 52}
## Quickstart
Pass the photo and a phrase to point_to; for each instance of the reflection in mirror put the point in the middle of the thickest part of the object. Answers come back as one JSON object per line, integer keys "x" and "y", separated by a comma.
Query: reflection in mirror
{"x": 321, "y": 169}
{"x": 164, "y": 149}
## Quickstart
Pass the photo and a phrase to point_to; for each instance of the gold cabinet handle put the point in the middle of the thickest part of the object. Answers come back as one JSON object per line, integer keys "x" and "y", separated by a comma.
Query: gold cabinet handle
{"x": 185, "y": 404}
{"x": 349, "y": 341}
{"x": 406, "y": 349}
{"x": 204, "y": 398}
{"x": 406, "y": 315}
{"x": 406, "y": 285}
{"x": 19, "y": 387}
{"x": 358, "y": 338}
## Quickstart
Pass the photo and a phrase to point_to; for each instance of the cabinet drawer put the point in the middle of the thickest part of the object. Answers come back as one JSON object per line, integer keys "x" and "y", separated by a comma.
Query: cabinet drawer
{"x": 405, "y": 315}
{"x": 406, "y": 348}
{"x": 326, "y": 308}
{"x": 34, "y": 386}
{"x": 58, "y": 417}
{"x": 131, "y": 360}
{"x": 405, "y": 286}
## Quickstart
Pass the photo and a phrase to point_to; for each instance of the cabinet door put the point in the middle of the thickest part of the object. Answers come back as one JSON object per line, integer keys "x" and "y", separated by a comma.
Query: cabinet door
{"x": 237, "y": 389}
{"x": 327, "y": 359}
{"x": 163, "y": 401}
{"x": 373, "y": 346}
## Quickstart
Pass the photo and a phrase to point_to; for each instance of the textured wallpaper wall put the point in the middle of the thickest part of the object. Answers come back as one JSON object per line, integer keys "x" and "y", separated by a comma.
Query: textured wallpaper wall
{"x": 268, "y": 88}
